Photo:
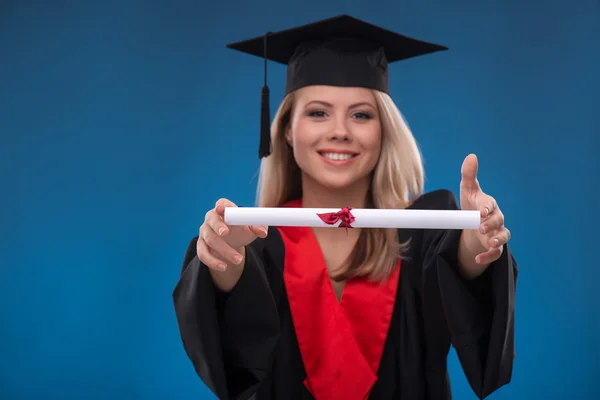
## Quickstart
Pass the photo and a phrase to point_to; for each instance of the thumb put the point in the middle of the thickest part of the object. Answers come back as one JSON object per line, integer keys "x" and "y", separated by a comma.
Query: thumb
{"x": 221, "y": 204}
{"x": 469, "y": 173}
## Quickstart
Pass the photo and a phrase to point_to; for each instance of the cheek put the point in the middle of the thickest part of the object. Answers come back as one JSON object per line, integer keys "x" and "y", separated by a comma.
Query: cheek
{"x": 371, "y": 141}
{"x": 304, "y": 138}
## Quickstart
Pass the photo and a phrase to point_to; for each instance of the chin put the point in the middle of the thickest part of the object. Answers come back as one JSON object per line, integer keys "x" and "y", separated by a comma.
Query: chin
{"x": 338, "y": 182}
{"x": 334, "y": 179}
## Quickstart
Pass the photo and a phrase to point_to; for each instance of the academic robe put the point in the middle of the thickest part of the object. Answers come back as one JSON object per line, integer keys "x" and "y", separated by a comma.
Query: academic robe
{"x": 281, "y": 334}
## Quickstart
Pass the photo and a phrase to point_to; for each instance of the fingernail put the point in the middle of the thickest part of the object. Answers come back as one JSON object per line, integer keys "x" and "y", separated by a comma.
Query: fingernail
{"x": 483, "y": 229}
{"x": 486, "y": 211}
{"x": 222, "y": 230}
{"x": 266, "y": 231}
{"x": 496, "y": 242}
{"x": 237, "y": 259}
{"x": 221, "y": 267}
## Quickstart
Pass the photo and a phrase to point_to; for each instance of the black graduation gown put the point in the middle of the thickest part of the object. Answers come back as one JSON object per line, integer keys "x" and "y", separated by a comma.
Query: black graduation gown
{"x": 243, "y": 343}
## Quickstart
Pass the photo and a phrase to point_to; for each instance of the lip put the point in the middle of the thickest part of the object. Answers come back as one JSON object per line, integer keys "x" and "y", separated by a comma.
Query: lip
{"x": 337, "y": 162}
{"x": 338, "y": 151}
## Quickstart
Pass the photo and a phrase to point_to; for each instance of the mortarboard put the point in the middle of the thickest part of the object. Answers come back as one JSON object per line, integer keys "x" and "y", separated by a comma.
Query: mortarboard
{"x": 339, "y": 51}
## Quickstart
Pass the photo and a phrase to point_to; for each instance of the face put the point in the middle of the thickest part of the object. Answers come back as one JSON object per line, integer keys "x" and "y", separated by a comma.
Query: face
{"x": 335, "y": 134}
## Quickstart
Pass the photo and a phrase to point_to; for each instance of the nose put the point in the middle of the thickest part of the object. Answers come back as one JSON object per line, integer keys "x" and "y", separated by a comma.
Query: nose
{"x": 340, "y": 131}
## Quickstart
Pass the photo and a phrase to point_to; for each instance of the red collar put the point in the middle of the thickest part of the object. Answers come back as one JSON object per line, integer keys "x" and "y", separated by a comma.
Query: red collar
{"x": 340, "y": 342}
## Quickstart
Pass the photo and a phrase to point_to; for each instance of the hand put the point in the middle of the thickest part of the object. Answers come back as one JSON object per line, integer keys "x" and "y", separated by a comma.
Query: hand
{"x": 219, "y": 244}
{"x": 488, "y": 242}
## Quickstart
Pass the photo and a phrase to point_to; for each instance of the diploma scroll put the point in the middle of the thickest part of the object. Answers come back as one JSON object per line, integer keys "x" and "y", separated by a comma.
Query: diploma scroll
{"x": 353, "y": 218}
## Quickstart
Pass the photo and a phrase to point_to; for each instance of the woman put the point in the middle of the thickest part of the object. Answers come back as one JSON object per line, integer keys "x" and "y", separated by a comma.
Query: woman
{"x": 327, "y": 314}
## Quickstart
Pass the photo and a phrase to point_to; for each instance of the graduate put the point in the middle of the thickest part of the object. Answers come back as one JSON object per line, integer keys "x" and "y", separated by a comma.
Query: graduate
{"x": 282, "y": 313}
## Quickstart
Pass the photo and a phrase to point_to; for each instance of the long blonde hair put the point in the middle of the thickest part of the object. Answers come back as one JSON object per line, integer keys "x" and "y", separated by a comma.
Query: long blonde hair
{"x": 397, "y": 179}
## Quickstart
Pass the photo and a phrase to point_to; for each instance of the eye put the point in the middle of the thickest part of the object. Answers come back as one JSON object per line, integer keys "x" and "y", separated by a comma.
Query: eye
{"x": 316, "y": 114}
{"x": 362, "y": 115}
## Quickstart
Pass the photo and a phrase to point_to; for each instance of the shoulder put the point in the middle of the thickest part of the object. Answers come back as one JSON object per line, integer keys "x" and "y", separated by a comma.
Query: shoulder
{"x": 442, "y": 199}
{"x": 421, "y": 240}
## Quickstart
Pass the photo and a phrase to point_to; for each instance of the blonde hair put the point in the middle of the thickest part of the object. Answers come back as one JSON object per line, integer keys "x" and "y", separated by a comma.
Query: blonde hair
{"x": 397, "y": 179}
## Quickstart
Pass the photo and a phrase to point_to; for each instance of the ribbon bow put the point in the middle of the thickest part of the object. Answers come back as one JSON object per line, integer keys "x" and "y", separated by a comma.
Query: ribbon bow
{"x": 344, "y": 215}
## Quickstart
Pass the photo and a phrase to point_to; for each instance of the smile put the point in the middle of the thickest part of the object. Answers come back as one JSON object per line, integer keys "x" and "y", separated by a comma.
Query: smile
{"x": 337, "y": 157}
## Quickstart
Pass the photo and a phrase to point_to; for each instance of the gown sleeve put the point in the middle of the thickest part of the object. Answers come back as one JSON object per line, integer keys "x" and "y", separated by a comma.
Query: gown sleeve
{"x": 475, "y": 316}
{"x": 229, "y": 338}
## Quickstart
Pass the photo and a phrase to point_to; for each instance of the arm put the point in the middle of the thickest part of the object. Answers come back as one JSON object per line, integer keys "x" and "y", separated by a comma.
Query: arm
{"x": 229, "y": 337}
{"x": 476, "y": 315}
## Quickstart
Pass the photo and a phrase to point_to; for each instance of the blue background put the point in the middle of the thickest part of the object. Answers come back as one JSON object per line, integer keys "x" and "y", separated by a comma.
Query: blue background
{"x": 121, "y": 123}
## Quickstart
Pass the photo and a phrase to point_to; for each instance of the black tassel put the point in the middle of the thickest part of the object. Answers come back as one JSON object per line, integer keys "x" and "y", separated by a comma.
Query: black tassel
{"x": 265, "y": 123}
{"x": 265, "y": 112}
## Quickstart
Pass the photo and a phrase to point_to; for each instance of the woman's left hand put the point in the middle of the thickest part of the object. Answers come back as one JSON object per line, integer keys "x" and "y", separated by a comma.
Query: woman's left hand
{"x": 488, "y": 242}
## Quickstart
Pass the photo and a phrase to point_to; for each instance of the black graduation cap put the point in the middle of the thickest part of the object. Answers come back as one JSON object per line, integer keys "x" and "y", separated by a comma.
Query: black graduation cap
{"x": 339, "y": 51}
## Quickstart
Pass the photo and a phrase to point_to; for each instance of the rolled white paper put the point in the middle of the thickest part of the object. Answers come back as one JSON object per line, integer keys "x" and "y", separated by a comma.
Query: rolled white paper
{"x": 365, "y": 218}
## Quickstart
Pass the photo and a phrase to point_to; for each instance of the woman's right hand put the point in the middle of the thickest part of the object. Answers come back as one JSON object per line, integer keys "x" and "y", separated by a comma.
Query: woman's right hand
{"x": 220, "y": 245}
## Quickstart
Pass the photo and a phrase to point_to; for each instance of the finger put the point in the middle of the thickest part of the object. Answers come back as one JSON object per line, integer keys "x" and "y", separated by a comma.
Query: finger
{"x": 221, "y": 204}
{"x": 215, "y": 242}
{"x": 207, "y": 257}
{"x": 216, "y": 223}
{"x": 468, "y": 172}
{"x": 488, "y": 206}
{"x": 259, "y": 231}
{"x": 500, "y": 238}
{"x": 489, "y": 256}
{"x": 493, "y": 222}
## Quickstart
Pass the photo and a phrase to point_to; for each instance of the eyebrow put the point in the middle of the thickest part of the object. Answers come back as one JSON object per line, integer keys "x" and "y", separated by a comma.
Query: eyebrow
{"x": 326, "y": 104}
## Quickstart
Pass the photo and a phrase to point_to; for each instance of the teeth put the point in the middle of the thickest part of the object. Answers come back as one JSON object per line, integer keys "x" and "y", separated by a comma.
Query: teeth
{"x": 337, "y": 156}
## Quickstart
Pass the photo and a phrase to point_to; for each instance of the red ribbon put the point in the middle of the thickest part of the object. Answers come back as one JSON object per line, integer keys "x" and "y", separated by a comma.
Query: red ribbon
{"x": 344, "y": 215}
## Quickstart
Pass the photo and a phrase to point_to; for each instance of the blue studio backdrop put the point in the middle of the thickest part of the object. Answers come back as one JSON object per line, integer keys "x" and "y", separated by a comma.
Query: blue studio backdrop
{"x": 122, "y": 122}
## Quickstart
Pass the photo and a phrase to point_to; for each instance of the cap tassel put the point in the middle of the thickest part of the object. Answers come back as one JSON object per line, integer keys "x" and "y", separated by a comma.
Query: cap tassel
{"x": 265, "y": 123}
{"x": 265, "y": 113}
